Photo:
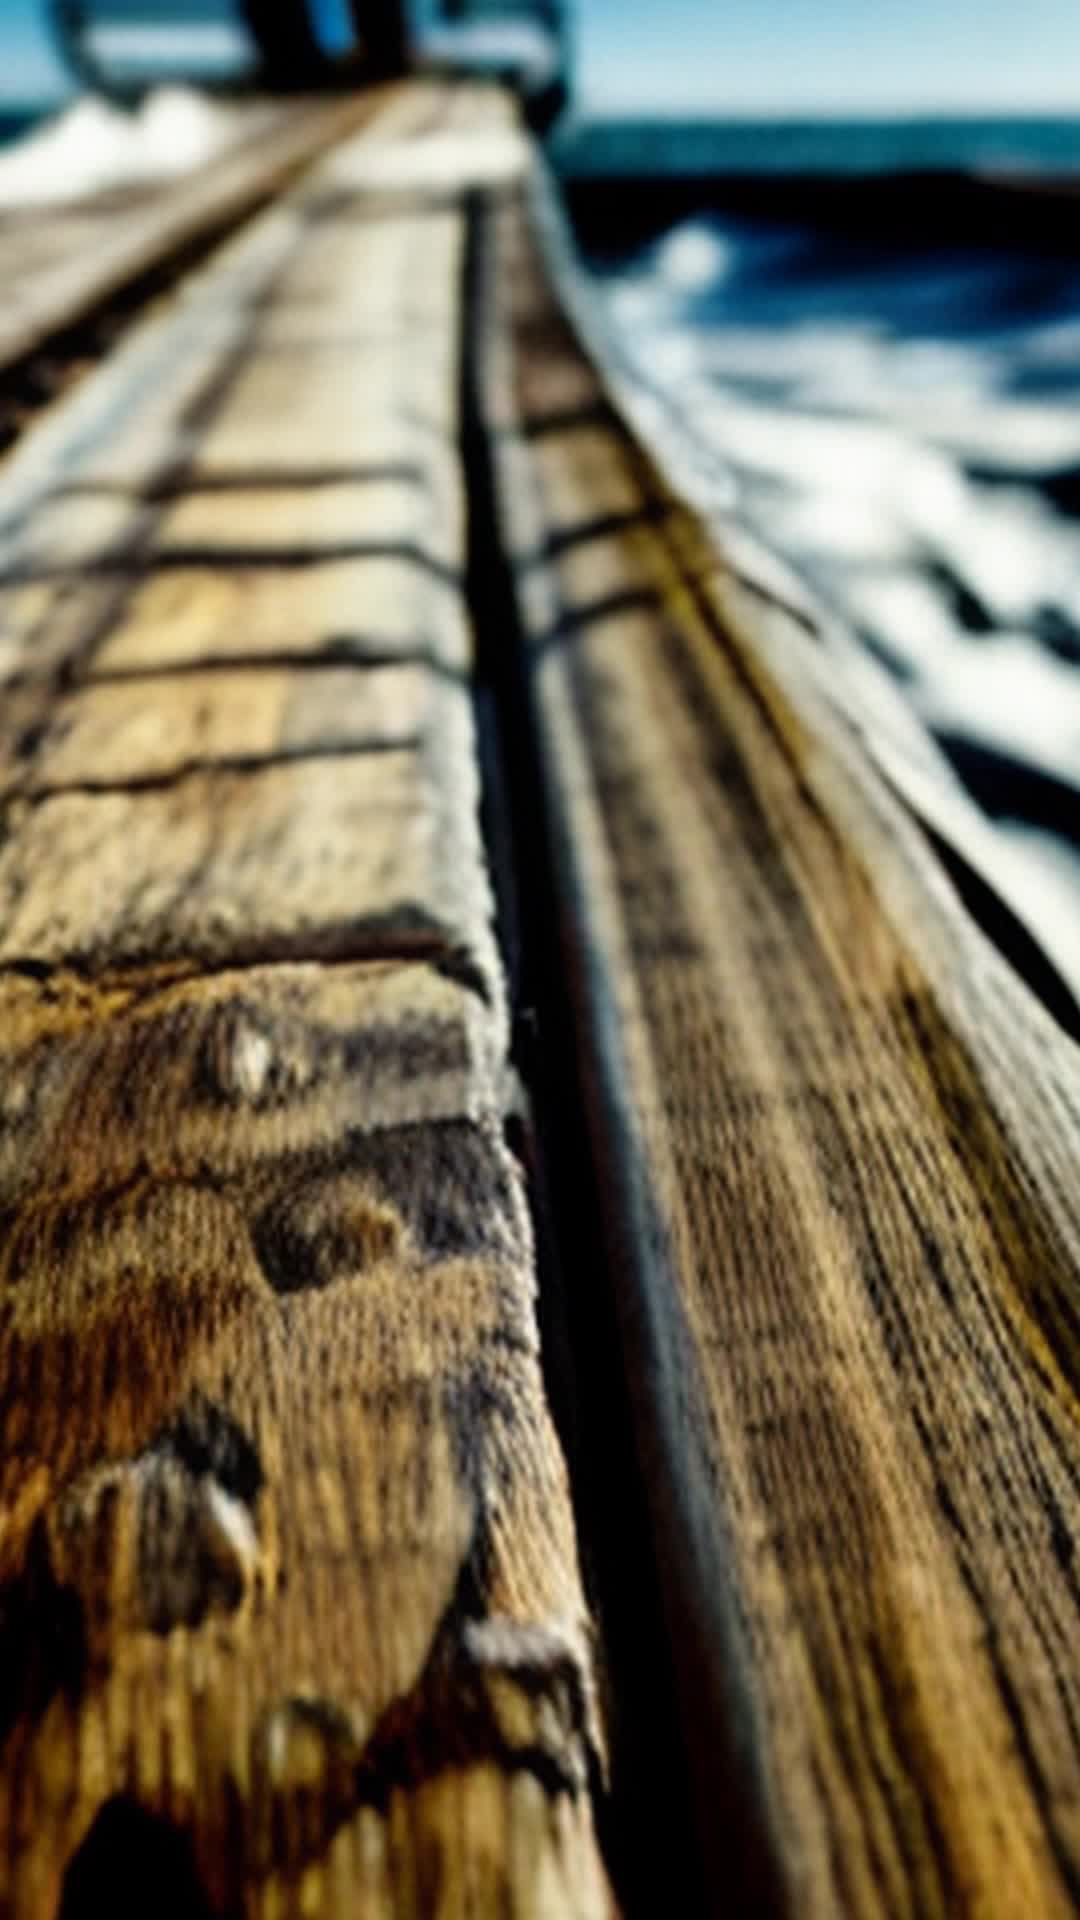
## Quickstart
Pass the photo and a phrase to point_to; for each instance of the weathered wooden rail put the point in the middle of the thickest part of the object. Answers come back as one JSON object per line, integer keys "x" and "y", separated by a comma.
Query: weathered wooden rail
{"x": 379, "y": 729}
{"x": 838, "y": 1145}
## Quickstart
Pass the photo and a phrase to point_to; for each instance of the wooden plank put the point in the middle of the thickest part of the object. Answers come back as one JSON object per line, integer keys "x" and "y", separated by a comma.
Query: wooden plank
{"x": 301, "y": 1056}
{"x": 376, "y": 607}
{"x": 68, "y": 283}
{"x": 335, "y": 413}
{"x": 839, "y": 1138}
{"x": 371, "y": 853}
{"x": 143, "y": 431}
{"x": 69, "y": 534}
{"x": 151, "y": 815}
{"x": 362, "y": 271}
{"x": 376, "y": 515}
{"x": 291, "y": 1620}
{"x": 163, "y": 831}
{"x": 287, "y": 1563}
{"x": 117, "y": 734}
{"x": 136, "y": 412}
{"x": 44, "y": 622}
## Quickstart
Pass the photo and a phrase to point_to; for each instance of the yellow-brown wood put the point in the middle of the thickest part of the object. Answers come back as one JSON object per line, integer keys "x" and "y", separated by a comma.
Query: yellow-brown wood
{"x": 363, "y": 609}
{"x": 841, "y": 1143}
{"x": 290, "y": 1614}
{"x": 287, "y": 1559}
{"x": 108, "y": 734}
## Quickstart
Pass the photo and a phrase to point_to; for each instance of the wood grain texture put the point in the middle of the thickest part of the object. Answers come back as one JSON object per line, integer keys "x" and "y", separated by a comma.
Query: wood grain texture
{"x": 137, "y": 417}
{"x": 43, "y": 623}
{"x": 287, "y": 1561}
{"x": 148, "y": 817}
{"x": 368, "y": 608}
{"x": 840, "y": 1141}
{"x": 73, "y": 534}
{"x": 380, "y": 515}
{"x": 301, "y": 1056}
{"x": 290, "y": 1614}
{"x": 370, "y": 852}
{"x": 111, "y": 734}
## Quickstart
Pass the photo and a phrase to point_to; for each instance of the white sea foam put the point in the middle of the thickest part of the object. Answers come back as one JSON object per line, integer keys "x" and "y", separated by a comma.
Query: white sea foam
{"x": 1041, "y": 873}
{"x": 693, "y": 258}
{"x": 897, "y": 430}
{"x": 994, "y": 691}
{"x": 96, "y": 147}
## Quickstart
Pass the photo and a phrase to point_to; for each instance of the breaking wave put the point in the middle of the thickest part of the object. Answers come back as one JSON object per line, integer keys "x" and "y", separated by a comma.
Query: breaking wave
{"x": 905, "y": 429}
{"x": 94, "y": 146}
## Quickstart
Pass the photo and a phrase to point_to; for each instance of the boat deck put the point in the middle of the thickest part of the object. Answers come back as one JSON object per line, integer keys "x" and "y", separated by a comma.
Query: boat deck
{"x": 541, "y": 1244}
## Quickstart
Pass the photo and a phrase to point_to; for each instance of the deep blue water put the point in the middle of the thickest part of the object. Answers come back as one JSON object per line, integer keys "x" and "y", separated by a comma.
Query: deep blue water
{"x": 15, "y": 121}
{"x": 993, "y": 144}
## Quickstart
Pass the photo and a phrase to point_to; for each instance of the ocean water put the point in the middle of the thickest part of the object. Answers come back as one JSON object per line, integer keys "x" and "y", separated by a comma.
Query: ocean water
{"x": 15, "y": 121}
{"x": 902, "y": 423}
{"x": 1038, "y": 144}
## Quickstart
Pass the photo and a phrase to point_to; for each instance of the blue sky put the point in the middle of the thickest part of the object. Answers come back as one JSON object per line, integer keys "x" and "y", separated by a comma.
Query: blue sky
{"x": 27, "y": 69}
{"x": 792, "y": 55}
{"x": 748, "y": 55}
